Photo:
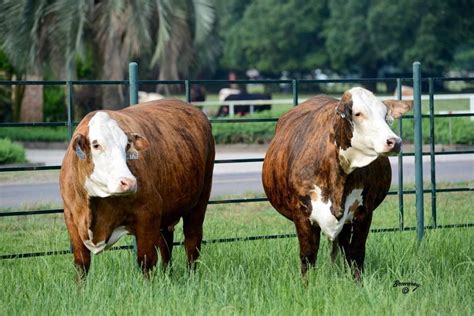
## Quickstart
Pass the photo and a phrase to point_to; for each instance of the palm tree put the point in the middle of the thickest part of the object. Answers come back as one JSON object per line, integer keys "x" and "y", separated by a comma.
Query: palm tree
{"x": 25, "y": 42}
{"x": 183, "y": 30}
{"x": 58, "y": 33}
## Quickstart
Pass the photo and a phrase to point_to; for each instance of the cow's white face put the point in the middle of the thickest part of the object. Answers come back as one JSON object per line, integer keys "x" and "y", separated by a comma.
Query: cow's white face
{"x": 371, "y": 135}
{"x": 107, "y": 145}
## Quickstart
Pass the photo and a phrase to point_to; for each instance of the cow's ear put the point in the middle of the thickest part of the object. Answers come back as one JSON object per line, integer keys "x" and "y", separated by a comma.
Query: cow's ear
{"x": 396, "y": 108}
{"x": 81, "y": 146}
{"x": 139, "y": 142}
{"x": 344, "y": 108}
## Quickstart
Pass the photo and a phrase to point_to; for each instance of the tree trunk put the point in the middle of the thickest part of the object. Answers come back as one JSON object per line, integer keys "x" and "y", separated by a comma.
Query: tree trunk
{"x": 113, "y": 96}
{"x": 32, "y": 102}
{"x": 176, "y": 53}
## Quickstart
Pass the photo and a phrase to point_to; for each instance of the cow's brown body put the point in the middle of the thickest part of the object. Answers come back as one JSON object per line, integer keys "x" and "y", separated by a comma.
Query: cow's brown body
{"x": 174, "y": 178}
{"x": 305, "y": 153}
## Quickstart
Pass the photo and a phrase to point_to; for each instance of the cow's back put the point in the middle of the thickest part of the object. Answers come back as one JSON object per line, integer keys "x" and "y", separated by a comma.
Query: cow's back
{"x": 300, "y": 136}
{"x": 180, "y": 153}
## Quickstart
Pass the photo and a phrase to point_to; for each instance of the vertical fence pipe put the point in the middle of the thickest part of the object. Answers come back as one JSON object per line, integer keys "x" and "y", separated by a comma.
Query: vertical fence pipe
{"x": 70, "y": 124}
{"x": 400, "y": 164}
{"x": 187, "y": 87}
{"x": 133, "y": 89}
{"x": 133, "y": 82}
{"x": 432, "y": 156}
{"x": 295, "y": 92}
{"x": 418, "y": 151}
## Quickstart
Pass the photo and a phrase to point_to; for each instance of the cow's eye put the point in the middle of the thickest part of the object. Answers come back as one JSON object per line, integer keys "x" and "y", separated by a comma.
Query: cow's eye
{"x": 358, "y": 114}
{"x": 96, "y": 146}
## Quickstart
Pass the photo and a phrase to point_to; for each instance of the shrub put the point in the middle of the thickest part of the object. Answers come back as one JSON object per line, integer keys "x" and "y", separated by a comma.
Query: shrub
{"x": 248, "y": 133}
{"x": 452, "y": 130}
{"x": 27, "y": 134}
{"x": 54, "y": 108}
{"x": 11, "y": 152}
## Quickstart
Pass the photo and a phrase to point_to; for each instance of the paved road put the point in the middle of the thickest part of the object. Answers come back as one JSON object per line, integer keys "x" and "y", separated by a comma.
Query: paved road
{"x": 236, "y": 179}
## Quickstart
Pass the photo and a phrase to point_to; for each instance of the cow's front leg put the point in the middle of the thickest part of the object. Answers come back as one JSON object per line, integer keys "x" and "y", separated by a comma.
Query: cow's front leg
{"x": 82, "y": 255}
{"x": 308, "y": 237}
{"x": 148, "y": 236}
{"x": 354, "y": 244}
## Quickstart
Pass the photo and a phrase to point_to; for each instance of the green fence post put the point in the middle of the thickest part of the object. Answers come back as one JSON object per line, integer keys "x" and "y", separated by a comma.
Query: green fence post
{"x": 70, "y": 124}
{"x": 295, "y": 92}
{"x": 187, "y": 88}
{"x": 133, "y": 90}
{"x": 420, "y": 221}
{"x": 400, "y": 165}
{"x": 432, "y": 155}
{"x": 133, "y": 82}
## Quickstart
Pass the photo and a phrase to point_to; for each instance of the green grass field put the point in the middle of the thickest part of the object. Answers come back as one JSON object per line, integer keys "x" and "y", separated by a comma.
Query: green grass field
{"x": 253, "y": 277}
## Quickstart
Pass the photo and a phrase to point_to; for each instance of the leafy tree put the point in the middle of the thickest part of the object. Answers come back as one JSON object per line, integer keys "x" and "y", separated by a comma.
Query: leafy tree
{"x": 276, "y": 35}
{"x": 59, "y": 34}
{"x": 365, "y": 35}
{"x": 348, "y": 38}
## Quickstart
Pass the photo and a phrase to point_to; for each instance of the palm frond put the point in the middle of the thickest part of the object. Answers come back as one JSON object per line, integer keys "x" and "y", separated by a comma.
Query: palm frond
{"x": 204, "y": 17}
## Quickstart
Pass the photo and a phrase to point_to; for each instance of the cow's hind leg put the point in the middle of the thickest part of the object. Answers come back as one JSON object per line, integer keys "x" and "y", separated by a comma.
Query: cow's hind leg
{"x": 82, "y": 255}
{"x": 194, "y": 219}
{"x": 192, "y": 229}
{"x": 166, "y": 246}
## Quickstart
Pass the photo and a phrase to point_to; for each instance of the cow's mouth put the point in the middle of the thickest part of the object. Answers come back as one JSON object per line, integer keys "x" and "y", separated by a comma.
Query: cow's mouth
{"x": 389, "y": 153}
{"x": 131, "y": 192}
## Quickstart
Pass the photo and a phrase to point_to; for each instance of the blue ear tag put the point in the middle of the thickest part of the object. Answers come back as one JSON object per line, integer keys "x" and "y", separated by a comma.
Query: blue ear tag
{"x": 389, "y": 119}
{"x": 80, "y": 154}
{"x": 132, "y": 155}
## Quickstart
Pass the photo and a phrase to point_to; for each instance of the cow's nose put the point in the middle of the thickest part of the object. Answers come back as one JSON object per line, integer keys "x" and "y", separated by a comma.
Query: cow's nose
{"x": 128, "y": 184}
{"x": 393, "y": 144}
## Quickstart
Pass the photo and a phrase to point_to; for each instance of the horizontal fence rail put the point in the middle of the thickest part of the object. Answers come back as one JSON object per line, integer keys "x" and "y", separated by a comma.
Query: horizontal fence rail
{"x": 295, "y": 85}
{"x": 224, "y": 240}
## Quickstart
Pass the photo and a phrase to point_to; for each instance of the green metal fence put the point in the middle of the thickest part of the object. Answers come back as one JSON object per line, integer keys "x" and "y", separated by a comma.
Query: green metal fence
{"x": 133, "y": 84}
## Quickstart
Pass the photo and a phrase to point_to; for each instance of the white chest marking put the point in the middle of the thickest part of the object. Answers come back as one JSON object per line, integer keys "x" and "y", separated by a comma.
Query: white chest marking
{"x": 100, "y": 246}
{"x": 321, "y": 214}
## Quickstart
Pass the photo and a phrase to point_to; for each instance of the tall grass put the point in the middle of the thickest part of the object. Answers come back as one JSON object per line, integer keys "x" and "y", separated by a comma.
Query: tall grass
{"x": 257, "y": 277}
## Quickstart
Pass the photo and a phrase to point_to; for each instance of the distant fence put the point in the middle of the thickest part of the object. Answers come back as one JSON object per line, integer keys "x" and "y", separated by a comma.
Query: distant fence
{"x": 255, "y": 103}
{"x": 133, "y": 84}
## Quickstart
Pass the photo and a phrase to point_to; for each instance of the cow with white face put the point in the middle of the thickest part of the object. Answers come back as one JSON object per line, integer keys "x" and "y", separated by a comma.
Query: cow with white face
{"x": 138, "y": 171}
{"x": 327, "y": 169}
{"x": 109, "y": 149}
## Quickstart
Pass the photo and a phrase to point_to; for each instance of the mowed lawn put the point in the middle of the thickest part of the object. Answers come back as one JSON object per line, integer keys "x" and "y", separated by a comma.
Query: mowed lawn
{"x": 249, "y": 277}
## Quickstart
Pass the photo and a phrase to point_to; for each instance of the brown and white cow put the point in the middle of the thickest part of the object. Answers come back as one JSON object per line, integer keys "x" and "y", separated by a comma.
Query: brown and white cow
{"x": 327, "y": 169}
{"x": 138, "y": 171}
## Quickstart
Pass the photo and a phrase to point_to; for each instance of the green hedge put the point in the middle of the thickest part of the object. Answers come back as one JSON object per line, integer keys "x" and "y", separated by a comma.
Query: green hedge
{"x": 456, "y": 130}
{"x": 31, "y": 134}
{"x": 10, "y": 152}
{"x": 247, "y": 133}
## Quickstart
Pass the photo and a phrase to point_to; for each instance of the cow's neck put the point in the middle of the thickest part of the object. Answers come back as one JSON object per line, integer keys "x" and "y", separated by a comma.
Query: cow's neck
{"x": 350, "y": 159}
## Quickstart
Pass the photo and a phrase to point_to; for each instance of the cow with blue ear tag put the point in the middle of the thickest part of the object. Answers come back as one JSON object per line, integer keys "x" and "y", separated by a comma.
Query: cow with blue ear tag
{"x": 138, "y": 171}
{"x": 327, "y": 170}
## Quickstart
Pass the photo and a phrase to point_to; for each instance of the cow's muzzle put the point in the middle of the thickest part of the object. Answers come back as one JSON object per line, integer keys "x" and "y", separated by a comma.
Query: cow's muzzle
{"x": 127, "y": 185}
{"x": 393, "y": 145}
